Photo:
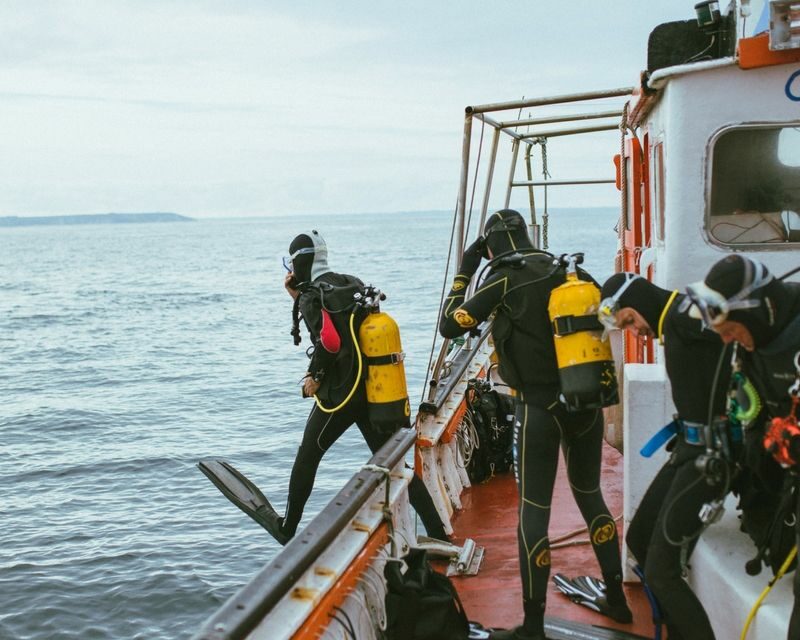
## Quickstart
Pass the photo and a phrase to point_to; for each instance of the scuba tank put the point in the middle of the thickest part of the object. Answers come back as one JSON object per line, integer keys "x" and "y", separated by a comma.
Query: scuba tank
{"x": 379, "y": 341}
{"x": 585, "y": 363}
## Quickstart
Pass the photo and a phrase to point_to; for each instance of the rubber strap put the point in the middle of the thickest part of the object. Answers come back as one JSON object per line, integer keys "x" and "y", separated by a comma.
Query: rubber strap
{"x": 391, "y": 358}
{"x": 566, "y": 325}
{"x": 660, "y": 438}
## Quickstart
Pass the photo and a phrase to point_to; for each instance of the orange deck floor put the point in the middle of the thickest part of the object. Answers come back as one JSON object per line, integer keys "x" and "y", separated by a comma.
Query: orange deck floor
{"x": 493, "y": 597}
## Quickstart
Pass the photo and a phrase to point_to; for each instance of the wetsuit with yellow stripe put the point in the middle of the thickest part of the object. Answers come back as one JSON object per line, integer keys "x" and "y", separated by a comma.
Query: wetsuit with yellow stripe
{"x": 516, "y": 292}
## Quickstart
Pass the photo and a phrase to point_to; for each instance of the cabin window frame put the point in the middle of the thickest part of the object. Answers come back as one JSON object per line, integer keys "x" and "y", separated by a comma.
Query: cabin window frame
{"x": 708, "y": 189}
{"x": 658, "y": 191}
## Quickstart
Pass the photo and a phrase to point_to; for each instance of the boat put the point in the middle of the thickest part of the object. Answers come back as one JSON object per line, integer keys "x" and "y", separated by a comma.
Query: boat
{"x": 704, "y": 148}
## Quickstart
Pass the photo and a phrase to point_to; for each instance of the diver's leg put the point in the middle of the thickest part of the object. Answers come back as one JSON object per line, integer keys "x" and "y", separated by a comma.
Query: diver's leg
{"x": 322, "y": 430}
{"x": 582, "y": 442}
{"x": 640, "y": 529}
{"x": 536, "y": 442}
{"x": 418, "y": 493}
{"x": 678, "y": 523}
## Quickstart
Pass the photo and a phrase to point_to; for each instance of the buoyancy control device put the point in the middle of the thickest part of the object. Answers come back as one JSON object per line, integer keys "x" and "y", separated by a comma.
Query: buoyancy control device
{"x": 379, "y": 351}
{"x": 387, "y": 394}
{"x": 585, "y": 364}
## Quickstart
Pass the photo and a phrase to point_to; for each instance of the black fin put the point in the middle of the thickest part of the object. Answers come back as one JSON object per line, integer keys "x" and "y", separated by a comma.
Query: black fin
{"x": 591, "y": 593}
{"x": 245, "y": 495}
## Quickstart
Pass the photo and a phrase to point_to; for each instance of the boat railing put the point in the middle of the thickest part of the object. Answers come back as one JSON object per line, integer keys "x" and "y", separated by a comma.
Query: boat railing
{"x": 244, "y": 611}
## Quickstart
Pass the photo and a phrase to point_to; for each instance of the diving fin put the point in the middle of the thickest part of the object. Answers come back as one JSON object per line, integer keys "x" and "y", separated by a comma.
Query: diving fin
{"x": 245, "y": 495}
{"x": 589, "y": 592}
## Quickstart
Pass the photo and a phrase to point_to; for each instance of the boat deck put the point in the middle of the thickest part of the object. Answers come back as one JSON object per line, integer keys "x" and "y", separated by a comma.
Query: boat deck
{"x": 493, "y": 597}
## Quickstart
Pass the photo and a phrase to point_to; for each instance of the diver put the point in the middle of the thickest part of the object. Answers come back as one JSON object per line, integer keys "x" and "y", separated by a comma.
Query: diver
{"x": 666, "y": 525}
{"x": 744, "y": 303}
{"x": 516, "y": 291}
{"x": 331, "y": 377}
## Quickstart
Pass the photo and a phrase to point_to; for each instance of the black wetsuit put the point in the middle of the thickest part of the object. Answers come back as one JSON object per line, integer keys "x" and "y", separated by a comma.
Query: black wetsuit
{"x": 772, "y": 370}
{"x": 668, "y": 513}
{"x": 336, "y": 373}
{"x": 517, "y": 293}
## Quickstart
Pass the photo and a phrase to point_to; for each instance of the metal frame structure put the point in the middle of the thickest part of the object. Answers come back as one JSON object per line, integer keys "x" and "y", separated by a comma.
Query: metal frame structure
{"x": 530, "y": 139}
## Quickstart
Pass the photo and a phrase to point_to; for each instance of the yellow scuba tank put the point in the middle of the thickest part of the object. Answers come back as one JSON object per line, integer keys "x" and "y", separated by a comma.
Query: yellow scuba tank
{"x": 387, "y": 395}
{"x": 585, "y": 363}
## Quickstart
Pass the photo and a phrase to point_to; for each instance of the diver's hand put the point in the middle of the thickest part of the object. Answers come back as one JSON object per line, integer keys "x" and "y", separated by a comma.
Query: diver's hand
{"x": 310, "y": 386}
{"x": 471, "y": 259}
{"x": 290, "y": 284}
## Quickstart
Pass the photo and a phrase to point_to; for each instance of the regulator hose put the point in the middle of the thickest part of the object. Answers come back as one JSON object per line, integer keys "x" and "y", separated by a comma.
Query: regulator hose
{"x": 358, "y": 374}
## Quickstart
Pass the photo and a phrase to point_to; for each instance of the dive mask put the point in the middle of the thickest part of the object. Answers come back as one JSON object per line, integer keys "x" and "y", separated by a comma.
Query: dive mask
{"x": 710, "y": 306}
{"x": 607, "y": 312}
{"x": 288, "y": 260}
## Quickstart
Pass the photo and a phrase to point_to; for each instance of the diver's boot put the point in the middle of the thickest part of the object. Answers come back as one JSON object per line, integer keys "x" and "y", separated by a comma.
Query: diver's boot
{"x": 531, "y": 629}
{"x": 517, "y": 633}
{"x": 273, "y": 523}
{"x": 615, "y": 597}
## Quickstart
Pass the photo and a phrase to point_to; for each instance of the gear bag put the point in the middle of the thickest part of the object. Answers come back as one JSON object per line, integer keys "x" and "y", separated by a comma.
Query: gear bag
{"x": 422, "y": 604}
{"x": 492, "y": 416}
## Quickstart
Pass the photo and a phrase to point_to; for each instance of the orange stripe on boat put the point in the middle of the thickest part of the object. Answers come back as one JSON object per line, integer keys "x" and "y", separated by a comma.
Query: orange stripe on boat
{"x": 320, "y": 618}
{"x": 755, "y": 52}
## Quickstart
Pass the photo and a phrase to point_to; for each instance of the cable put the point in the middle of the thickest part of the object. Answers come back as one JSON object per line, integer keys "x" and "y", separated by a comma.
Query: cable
{"x": 358, "y": 374}
{"x": 784, "y": 568}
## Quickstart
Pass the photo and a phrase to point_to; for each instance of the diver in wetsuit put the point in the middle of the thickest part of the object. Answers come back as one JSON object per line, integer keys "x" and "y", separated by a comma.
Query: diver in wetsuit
{"x": 666, "y": 525}
{"x": 744, "y": 303}
{"x": 331, "y": 376}
{"x": 516, "y": 291}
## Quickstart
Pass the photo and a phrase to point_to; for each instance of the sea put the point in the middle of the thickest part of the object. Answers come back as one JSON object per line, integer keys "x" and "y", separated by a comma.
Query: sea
{"x": 128, "y": 352}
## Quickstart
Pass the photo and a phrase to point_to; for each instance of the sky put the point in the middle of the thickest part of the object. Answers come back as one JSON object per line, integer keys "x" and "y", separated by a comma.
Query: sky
{"x": 213, "y": 108}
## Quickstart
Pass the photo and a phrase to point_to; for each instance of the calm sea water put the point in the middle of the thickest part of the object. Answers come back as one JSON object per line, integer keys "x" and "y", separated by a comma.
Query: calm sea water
{"x": 129, "y": 352}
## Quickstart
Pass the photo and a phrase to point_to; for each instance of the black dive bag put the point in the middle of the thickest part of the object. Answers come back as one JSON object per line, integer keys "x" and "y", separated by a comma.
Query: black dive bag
{"x": 422, "y": 604}
{"x": 492, "y": 415}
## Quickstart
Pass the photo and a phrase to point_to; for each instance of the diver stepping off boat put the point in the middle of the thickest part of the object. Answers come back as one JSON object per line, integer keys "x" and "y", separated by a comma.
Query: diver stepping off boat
{"x": 517, "y": 290}
{"x": 349, "y": 336}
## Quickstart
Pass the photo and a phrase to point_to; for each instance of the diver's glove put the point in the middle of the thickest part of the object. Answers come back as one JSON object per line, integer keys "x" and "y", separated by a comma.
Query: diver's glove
{"x": 471, "y": 259}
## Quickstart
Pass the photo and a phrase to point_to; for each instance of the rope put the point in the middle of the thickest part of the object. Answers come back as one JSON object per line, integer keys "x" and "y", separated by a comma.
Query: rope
{"x": 467, "y": 438}
{"x": 542, "y": 142}
{"x": 441, "y": 301}
{"x": 387, "y": 511}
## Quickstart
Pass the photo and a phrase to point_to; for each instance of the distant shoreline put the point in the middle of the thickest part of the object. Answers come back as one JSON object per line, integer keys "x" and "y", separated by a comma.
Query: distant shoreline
{"x": 94, "y": 218}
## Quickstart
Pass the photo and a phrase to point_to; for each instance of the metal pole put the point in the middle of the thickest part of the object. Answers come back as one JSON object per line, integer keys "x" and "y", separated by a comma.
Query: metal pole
{"x": 539, "y": 102}
{"x": 462, "y": 190}
{"x": 489, "y": 178}
{"x": 571, "y": 132}
{"x": 558, "y": 183}
{"x": 515, "y": 152}
{"x": 529, "y": 170}
{"x": 507, "y": 124}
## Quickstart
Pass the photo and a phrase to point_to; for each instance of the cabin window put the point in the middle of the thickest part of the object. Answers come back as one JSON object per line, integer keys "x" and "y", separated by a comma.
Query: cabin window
{"x": 755, "y": 186}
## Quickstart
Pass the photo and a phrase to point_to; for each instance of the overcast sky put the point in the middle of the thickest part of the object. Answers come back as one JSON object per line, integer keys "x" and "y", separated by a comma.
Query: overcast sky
{"x": 223, "y": 108}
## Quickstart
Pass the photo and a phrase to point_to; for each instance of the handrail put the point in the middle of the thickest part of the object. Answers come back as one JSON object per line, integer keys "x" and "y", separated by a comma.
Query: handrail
{"x": 540, "y": 102}
{"x": 245, "y": 610}
{"x": 459, "y": 364}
